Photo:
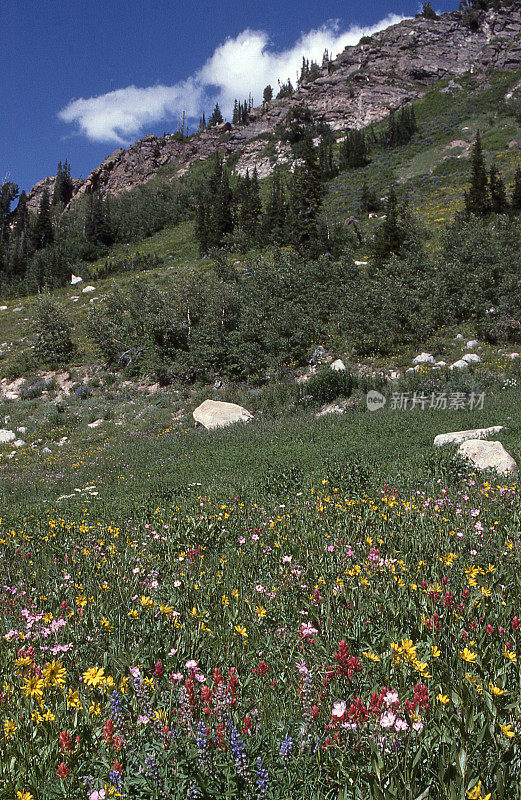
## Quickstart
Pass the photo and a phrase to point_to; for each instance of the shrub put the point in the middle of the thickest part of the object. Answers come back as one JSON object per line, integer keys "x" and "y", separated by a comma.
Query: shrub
{"x": 327, "y": 385}
{"x": 51, "y": 331}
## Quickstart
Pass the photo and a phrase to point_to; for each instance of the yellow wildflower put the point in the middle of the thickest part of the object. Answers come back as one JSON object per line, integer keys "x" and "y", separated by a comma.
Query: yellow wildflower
{"x": 466, "y": 655}
{"x": 10, "y": 728}
{"x": 94, "y": 676}
{"x": 54, "y": 674}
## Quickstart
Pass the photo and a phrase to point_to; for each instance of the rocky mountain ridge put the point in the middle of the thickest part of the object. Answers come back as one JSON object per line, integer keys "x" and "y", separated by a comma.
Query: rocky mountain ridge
{"x": 361, "y": 85}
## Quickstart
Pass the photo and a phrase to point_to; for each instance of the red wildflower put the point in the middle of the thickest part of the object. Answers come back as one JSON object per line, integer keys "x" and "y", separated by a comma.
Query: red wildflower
{"x": 65, "y": 742}
{"x": 63, "y": 770}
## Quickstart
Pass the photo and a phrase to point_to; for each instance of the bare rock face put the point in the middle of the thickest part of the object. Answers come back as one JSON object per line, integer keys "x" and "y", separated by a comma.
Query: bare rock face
{"x": 360, "y": 86}
{"x": 457, "y": 437}
{"x": 488, "y": 455}
{"x": 35, "y": 195}
{"x": 217, "y": 414}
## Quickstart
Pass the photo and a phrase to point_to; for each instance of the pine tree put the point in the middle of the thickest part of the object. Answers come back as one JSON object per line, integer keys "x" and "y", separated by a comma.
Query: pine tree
{"x": 8, "y": 194}
{"x": 390, "y": 236}
{"x": 43, "y": 231}
{"x": 97, "y": 221}
{"x": 477, "y": 200}
{"x": 251, "y": 207}
{"x": 369, "y": 202}
{"x": 214, "y": 213}
{"x": 353, "y": 151}
{"x": 306, "y": 194}
{"x": 274, "y": 220}
{"x": 63, "y": 185}
{"x": 515, "y": 199}
{"x": 498, "y": 196}
{"x": 216, "y": 117}
{"x": 267, "y": 95}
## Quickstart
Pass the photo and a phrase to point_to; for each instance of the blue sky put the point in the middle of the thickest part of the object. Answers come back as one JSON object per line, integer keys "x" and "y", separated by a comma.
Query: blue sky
{"x": 80, "y": 79}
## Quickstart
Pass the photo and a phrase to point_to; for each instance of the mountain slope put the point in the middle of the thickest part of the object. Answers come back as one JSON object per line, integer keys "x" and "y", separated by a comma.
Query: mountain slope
{"x": 360, "y": 86}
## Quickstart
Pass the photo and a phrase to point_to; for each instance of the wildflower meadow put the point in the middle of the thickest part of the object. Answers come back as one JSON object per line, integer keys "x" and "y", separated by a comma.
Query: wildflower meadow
{"x": 340, "y": 638}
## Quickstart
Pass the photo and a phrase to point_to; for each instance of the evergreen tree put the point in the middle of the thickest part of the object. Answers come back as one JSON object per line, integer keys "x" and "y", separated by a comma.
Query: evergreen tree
{"x": 353, "y": 151}
{"x": 267, "y": 95}
{"x": 43, "y": 231}
{"x": 498, "y": 196}
{"x": 390, "y": 236}
{"x": 216, "y": 117}
{"x": 214, "y": 212}
{"x": 477, "y": 199}
{"x": 274, "y": 220}
{"x": 20, "y": 241}
{"x": 515, "y": 200}
{"x": 306, "y": 194}
{"x": 251, "y": 207}
{"x": 369, "y": 201}
{"x": 285, "y": 89}
{"x": 63, "y": 186}
{"x": 97, "y": 221}
{"x": 8, "y": 194}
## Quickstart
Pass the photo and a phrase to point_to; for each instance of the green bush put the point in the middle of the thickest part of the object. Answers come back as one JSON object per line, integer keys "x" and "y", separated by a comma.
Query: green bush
{"x": 327, "y": 385}
{"x": 51, "y": 332}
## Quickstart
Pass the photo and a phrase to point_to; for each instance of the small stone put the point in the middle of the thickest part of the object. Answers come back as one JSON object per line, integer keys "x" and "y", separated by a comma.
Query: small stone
{"x": 471, "y": 344}
{"x": 76, "y": 279}
{"x": 460, "y": 364}
{"x": 6, "y": 436}
{"x": 338, "y": 366}
{"x": 88, "y": 289}
{"x": 95, "y": 424}
{"x": 18, "y": 443}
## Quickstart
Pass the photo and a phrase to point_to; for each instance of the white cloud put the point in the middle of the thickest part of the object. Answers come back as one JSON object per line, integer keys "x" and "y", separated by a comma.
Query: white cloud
{"x": 241, "y": 65}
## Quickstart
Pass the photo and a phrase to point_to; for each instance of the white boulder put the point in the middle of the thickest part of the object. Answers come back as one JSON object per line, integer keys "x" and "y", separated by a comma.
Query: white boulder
{"x": 424, "y": 358}
{"x": 338, "y": 366}
{"x": 216, "y": 414}
{"x": 88, "y": 289}
{"x": 76, "y": 279}
{"x": 459, "y": 336}
{"x": 488, "y": 455}
{"x": 6, "y": 436}
{"x": 460, "y": 364}
{"x": 471, "y": 358}
{"x": 471, "y": 344}
{"x": 457, "y": 437}
{"x": 441, "y": 363}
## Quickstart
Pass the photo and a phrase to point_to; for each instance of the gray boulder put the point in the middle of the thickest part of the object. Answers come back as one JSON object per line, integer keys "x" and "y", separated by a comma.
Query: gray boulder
{"x": 488, "y": 455}
{"x": 457, "y": 437}
{"x": 424, "y": 358}
{"x": 217, "y": 414}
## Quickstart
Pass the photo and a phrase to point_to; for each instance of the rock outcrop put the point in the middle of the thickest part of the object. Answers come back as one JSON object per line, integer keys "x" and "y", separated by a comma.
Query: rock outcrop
{"x": 361, "y": 85}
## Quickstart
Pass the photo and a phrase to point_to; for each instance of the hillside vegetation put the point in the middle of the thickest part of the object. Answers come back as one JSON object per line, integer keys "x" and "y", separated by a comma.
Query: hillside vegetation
{"x": 319, "y": 604}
